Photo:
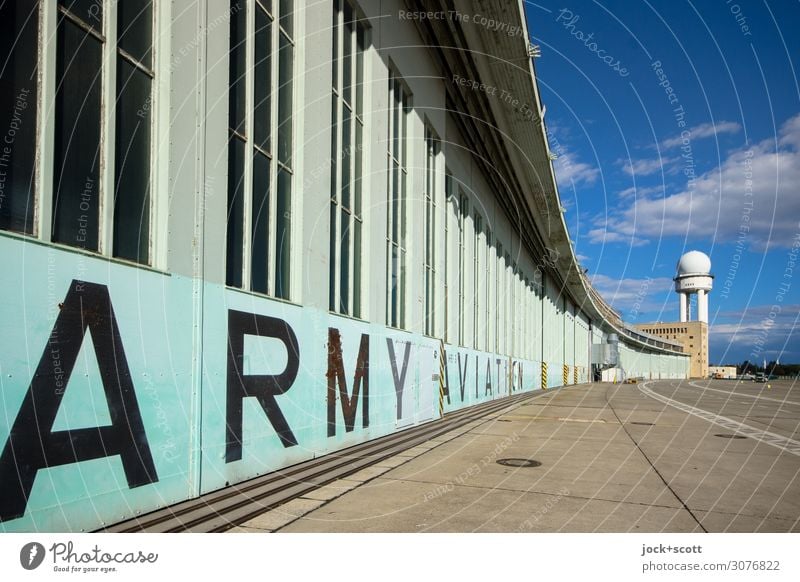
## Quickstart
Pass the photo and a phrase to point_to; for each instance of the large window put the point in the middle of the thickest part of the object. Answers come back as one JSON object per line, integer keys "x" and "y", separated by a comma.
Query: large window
{"x": 463, "y": 205}
{"x": 477, "y": 227}
{"x": 260, "y": 163}
{"x": 19, "y": 95}
{"x": 451, "y": 212}
{"x": 508, "y": 299}
{"x": 80, "y": 131}
{"x": 396, "y": 245}
{"x": 500, "y": 300}
{"x": 431, "y": 211}
{"x": 487, "y": 278}
{"x": 349, "y": 37}
{"x": 102, "y": 102}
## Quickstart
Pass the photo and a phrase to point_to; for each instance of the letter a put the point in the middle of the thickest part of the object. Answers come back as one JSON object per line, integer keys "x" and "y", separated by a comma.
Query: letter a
{"x": 32, "y": 444}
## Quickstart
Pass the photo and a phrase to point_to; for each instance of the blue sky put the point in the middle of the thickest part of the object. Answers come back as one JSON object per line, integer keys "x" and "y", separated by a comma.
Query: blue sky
{"x": 677, "y": 126}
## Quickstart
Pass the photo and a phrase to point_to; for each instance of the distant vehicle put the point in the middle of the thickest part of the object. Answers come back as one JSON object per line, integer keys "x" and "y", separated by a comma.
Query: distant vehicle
{"x": 747, "y": 377}
{"x": 760, "y": 377}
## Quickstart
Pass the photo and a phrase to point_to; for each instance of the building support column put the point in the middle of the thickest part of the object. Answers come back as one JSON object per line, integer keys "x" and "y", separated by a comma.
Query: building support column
{"x": 702, "y": 306}
{"x": 683, "y": 298}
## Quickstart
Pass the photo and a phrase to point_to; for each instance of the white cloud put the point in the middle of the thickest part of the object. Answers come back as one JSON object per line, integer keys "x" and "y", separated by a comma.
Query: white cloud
{"x": 645, "y": 167}
{"x": 641, "y": 191}
{"x": 702, "y": 131}
{"x": 790, "y": 133}
{"x": 754, "y": 191}
{"x": 632, "y": 297}
{"x": 605, "y": 236}
{"x": 758, "y": 332}
{"x": 571, "y": 172}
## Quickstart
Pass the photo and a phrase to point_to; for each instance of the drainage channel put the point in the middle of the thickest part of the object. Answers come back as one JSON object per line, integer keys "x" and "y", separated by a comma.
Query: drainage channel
{"x": 225, "y": 508}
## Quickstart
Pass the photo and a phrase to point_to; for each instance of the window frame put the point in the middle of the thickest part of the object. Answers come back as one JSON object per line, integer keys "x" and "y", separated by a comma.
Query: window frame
{"x": 43, "y": 189}
{"x": 349, "y": 288}
{"x": 477, "y": 231}
{"x": 279, "y": 268}
{"x": 431, "y": 197}
{"x": 451, "y": 212}
{"x": 398, "y": 147}
{"x": 463, "y": 213}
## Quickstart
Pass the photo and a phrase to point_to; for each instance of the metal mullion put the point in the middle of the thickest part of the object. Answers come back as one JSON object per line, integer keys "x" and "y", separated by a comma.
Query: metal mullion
{"x": 487, "y": 295}
{"x": 43, "y": 137}
{"x": 338, "y": 140}
{"x": 395, "y": 251}
{"x": 401, "y": 206}
{"x": 351, "y": 160}
{"x": 390, "y": 275}
{"x": 334, "y": 207}
{"x": 268, "y": 12}
{"x": 286, "y": 34}
{"x": 274, "y": 64}
{"x": 340, "y": 51}
{"x": 353, "y": 64}
{"x": 258, "y": 148}
{"x": 339, "y": 177}
{"x": 475, "y": 285}
{"x": 81, "y": 24}
{"x": 350, "y": 238}
{"x": 434, "y": 242}
{"x": 133, "y": 61}
{"x": 108, "y": 126}
{"x": 401, "y": 297}
{"x": 359, "y": 124}
{"x": 335, "y": 199}
{"x": 389, "y": 143}
{"x": 389, "y": 240}
{"x": 403, "y": 126}
{"x": 155, "y": 229}
{"x": 247, "y": 190}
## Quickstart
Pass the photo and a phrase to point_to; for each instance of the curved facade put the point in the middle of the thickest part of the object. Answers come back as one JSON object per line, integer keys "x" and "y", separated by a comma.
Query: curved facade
{"x": 239, "y": 253}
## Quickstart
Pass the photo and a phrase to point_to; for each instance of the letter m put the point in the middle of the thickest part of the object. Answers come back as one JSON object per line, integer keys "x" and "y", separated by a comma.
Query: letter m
{"x": 336, "y": 377}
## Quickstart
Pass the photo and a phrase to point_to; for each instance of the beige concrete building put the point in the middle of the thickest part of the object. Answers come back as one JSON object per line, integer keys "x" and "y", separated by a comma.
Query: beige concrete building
{"x": 693, "y": 335}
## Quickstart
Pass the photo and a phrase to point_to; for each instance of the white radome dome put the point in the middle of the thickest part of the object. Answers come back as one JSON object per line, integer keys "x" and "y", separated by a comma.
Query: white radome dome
{"x": 694, "y": 262}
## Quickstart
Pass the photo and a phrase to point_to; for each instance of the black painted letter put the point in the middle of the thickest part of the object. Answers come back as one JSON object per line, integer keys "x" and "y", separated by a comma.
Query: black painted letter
{"x": 336, "y": 376}
{"x": 263, "y": 387}
{"x": 32, "y": 445}
{"x": 399, "y": 379}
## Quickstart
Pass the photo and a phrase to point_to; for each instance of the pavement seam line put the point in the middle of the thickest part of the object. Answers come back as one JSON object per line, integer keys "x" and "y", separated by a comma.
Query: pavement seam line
{"x": 479, "y": 422}
{"x": 550, "y": 494}
{"x": 778, "y": 441}
{"x": 649, "y": 462}
{"x": 696, "y": 385}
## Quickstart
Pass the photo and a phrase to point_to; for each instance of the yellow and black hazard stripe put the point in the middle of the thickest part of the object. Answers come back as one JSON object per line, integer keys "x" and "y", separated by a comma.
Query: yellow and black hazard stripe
{"x": 442, "y": 377}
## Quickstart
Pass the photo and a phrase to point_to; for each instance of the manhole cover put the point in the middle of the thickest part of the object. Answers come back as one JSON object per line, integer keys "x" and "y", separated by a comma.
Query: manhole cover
{"x": 519, "y": 463}
{"x": 730, "y": 436}
{"x": 644, "y": 423}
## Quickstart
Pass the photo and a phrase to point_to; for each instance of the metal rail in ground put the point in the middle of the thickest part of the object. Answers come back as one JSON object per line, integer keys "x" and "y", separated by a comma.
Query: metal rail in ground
{"x": 225, "y": 508}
